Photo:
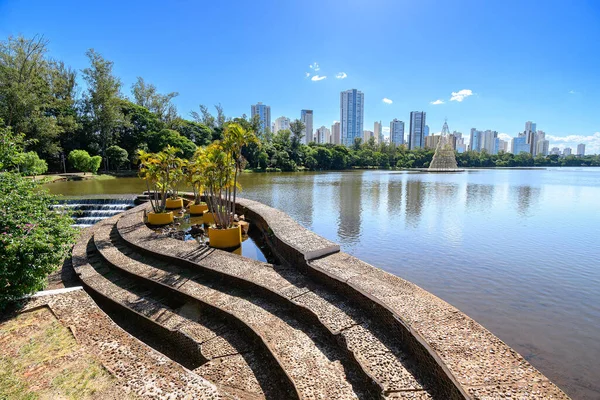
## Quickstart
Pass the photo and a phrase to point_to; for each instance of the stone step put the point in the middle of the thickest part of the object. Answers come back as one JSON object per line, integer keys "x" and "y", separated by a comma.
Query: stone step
{"x": 314, "y": 362}
{"x": 217, "y": 343}
{"x": 377, "y": 352}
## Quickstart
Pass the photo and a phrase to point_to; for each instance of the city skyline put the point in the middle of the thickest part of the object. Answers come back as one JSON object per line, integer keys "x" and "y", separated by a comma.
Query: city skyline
{"x": 483, "y": 83}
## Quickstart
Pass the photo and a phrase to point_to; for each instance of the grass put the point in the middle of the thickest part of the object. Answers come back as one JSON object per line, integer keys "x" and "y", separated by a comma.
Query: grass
{"x": 40, "y": 359}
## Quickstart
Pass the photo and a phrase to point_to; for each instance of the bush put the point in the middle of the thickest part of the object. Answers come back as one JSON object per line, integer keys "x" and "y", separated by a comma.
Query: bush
{"x": 81, "y": 160}
{"x": 30, "y": 163}
{"x": 34, "y": 240}
{"x": 117, "y": 156}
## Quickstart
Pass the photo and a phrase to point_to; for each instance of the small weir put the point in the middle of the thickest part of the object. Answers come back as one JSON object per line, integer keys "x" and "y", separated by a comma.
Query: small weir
{"x": 87, "y": 212}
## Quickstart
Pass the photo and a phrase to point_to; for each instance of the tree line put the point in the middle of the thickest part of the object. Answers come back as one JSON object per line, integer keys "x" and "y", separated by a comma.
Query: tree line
{"x": 102, "y": 126}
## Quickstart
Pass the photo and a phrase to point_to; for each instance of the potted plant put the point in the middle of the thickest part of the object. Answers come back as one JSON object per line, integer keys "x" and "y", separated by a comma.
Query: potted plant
{"x": 174, "y": 201}
{"x": 223, "y": 161}
{"x": 159, "y": 170}
{"x": 196, "y": 178}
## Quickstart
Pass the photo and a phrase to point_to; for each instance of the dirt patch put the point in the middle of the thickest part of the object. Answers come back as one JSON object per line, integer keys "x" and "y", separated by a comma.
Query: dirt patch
{"x": 40, "y": 359}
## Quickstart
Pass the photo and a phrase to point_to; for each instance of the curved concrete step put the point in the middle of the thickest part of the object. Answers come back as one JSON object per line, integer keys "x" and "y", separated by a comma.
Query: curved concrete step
{"x": 201, "y": 339}
{"x": 307, "y": 354}
{"x": 379, "y": 355}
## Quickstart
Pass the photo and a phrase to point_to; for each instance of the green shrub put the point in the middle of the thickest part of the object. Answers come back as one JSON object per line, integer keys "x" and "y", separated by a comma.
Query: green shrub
{"x": 81, "y": 160}
{"x": 117, "y": 156}
{"x": 34, "y": 239}
{"x": 30, "y": 163}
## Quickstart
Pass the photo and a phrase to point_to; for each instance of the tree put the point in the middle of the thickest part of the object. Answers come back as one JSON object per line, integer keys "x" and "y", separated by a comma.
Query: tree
{"x": 34, "y": 240}
{"x": 194, "y": 131}
{"x": 10, "y": 146}
{"x": 117, "y": 156}
{"x": 102, "y": 100}
{"x": 157, "y": 141}
{"x": 81, "y": 160}
{"x": 30, "y": 163}
{"x": 147, "y": 96}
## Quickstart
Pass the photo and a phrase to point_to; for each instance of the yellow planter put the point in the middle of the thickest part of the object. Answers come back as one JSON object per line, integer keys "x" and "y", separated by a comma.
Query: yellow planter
{"x": 173, "y": 204}
{"x": 225, "y": 238}
{"x": 197, "y": 209}
{"x": 208, "y": 217}
{"x": 161, "y": 218}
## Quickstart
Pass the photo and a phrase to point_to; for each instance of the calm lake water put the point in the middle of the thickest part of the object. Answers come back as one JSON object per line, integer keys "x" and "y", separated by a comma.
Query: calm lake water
{"x": 517, "y": 250}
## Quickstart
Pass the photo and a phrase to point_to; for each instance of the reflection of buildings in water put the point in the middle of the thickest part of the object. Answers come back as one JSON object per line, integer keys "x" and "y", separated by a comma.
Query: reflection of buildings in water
{"x": 394, "y": 197}
{"x": 444, "y": 194}
{"x": 526, "y": 196}
{"x": 479, "y": 197}
{"x": 415, "y": 197}
{"x": 349, "y": 221}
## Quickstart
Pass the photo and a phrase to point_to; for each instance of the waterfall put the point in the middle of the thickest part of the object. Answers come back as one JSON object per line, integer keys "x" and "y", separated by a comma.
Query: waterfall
{"x": 87, "y": 212}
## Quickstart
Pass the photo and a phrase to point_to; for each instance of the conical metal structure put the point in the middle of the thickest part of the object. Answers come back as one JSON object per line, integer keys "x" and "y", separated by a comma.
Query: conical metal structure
{"x": 444, "y": 158}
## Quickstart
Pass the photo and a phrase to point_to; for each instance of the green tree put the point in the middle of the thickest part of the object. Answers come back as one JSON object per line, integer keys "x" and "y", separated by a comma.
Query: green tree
{"x": 10, "y": 146}
{"x": 34, "y": 240}
{"x": 31, "y": 164}
{"x": 117, "y": 156}
{"x": 81, "y": 160}
{"x": 146, "y": 95}
{"x": 157, "y": 141}
{"x": 102, "y": 101}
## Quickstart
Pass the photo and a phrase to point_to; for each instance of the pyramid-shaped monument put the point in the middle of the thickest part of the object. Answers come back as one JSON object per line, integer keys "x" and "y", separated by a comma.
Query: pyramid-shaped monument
{"x": 444, "y": 159}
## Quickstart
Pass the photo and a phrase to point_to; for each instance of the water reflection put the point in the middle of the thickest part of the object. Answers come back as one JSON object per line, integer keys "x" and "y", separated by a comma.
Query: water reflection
{"x": 350, "y": 209}
{"x": 415, "y": 197}
{"x": 524, "y": 198}
{"x": 479, "y": 197}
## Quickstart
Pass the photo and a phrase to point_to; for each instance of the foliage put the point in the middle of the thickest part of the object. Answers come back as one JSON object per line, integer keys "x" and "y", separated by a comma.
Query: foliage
{"x": 10, "y": 146}
{"x": 81, "y": 160}
{"x": 195, "y": 174}
{"x": 34, "y": 240}
{"x": 147, "y": 96}
{"x": 117, "y": 156}
{"x": 168, "y": 137}
{"x": 162, "y": 172}
{"x": 30, "y": 163}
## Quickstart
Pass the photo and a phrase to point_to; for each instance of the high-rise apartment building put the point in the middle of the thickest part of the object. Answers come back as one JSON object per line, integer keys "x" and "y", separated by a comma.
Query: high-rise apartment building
{"x": 397, "y": 132}
{"x": 531, "y": 136}
{"x": 502, "y": 146}
{"x": 555, "y": 151}
{"x": 475, "y": 140}
{"x": 306, "y": 116}
{"x": 581, "y": 149}
{"x": 281, "y": 124}
{"x": 367, "y": 135}
{"x": 489, "y": 141}
{"x": 264, "y": 114}
{"x": 352, "y": 110}
{"x": 520, "y": 145}
{"x": 378, "y": 132}
{"x": 335, "y": 133}
{"x": 322, "y": 135}
{"x": 416, "y": 135}
{"x": 567, "y": 151}
{"x": 459, "y": 142}
{"x": 426, "y": 131}
{"x": 542, "y": 147}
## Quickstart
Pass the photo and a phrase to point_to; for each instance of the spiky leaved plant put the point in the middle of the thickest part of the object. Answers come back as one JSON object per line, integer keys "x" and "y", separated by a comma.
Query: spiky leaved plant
{"x": 162, "y": 172}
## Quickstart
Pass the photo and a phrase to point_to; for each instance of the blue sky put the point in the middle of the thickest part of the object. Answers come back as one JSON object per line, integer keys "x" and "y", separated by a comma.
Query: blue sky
{"x": 521, "y": 60}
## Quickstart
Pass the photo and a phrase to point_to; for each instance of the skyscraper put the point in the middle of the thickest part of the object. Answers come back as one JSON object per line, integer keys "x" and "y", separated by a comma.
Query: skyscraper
{"x": 322, "y": 135}
{"x": 352, "y": 108}
{"x": 426, "y": 130}
{"x": 397, "y": 132}
{"x": 567, "y": 151}
{"x": 417, "y": 130}
{"x": 378, "y": 131}
{"x": 335, "y": 133}
{"x": 281, "y": 123}
{"x": 489, "y": 142}
{"x": 519, "y": 144}
{"x": 306, "y": 116}
{"x": 531, "y": 136}
{"x": 264, "y": 114}
{"x": 581, "y": 149}
{"x": 475, "y": 140}
{"x": 367, "y": 135}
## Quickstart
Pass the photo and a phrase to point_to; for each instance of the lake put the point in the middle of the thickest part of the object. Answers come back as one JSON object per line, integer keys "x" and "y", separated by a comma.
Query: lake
{"x": 517, "y": 250}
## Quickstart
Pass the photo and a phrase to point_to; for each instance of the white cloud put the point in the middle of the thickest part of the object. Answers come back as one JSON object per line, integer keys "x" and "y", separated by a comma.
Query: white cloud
{"x": 438, "y": 101}
{"x": 592, "y": 142}
{"x": 317, "y": 78}
{"x": 461, "y": 95}
{"x": 314, "y": 66}
{"x": 387, "y": 101}
{"x": 341, "y": 75}
{"x": 307, "y": 74}
{"x": 505, "y": 136}
{"x": 572, "y": 92}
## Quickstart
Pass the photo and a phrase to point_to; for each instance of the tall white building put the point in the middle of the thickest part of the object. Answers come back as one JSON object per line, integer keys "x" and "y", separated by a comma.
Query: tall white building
{"x": 416, "y": 135}
{"x": 378, "y": 132}
{"x": 475, "y": 140}
{"x": 555, "y": 150}
{"x": 489, "y": 141}
{"x": 567, "y": 151}
{"x": 281, "y": 124}
{"x": 502, "y": 146}
{"x": 581, "y": 149}
{"x": 322, "y": 135}
{"x": 531, "y": 136}
{"x": 352, "y": 110}
{"x": 542, "y": 147}
{"x": 335, "y": 133}
{"x": 367, "y": 135}
{"x": 264, "y": 114}
{"x": 306, "y": 116}
{"x": 397, "y": 132}
{"x": 459, "y": 142}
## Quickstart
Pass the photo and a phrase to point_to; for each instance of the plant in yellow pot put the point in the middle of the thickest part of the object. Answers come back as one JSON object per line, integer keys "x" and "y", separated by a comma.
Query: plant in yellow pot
{"x": 159, "y": 170}
{"x": 223, "y": 161}
{"x": 196, "y": 178}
